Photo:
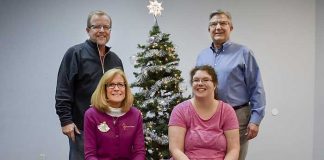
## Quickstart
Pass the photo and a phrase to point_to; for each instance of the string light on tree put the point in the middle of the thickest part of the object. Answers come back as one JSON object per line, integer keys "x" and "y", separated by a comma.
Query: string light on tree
{"x": 158, "y": 84}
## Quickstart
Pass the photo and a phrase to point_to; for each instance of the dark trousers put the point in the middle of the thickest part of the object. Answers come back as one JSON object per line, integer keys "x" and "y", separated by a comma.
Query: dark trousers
{"x": 77, "y": 147}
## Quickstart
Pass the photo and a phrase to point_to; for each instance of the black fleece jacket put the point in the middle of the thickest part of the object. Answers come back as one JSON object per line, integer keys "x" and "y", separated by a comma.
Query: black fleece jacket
{"x": 78, "y": 77}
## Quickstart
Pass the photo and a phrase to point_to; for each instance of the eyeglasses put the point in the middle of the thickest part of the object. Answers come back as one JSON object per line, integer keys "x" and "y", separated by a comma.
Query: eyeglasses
{"x": 203, "y": 81}
{"x": 221, "y": 23}
{"x": 113, "y": 85}
{"x": 99, "y": 27}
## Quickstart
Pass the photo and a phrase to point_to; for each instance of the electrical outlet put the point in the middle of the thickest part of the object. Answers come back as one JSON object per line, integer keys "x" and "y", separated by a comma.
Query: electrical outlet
{"x": 42, "y": 156}
{"x": 274, "y": 111}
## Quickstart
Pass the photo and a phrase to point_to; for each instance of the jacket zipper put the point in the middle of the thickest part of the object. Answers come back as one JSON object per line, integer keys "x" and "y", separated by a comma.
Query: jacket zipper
{"x": 103, "y": 60}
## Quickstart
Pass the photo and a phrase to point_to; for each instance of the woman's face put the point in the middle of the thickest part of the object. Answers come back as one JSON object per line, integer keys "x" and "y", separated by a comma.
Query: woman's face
{"x": 202, "y": 84}
{"x": 116, "y": 91}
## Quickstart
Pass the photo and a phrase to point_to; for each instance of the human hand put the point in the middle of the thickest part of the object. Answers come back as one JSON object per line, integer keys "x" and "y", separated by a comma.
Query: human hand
{"x": 69, "y": 131}
{"x": 252, "y": 131}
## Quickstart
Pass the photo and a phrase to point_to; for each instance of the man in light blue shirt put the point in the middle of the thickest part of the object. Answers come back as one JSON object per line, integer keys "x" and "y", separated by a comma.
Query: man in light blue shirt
{"x": 239, "y": 77}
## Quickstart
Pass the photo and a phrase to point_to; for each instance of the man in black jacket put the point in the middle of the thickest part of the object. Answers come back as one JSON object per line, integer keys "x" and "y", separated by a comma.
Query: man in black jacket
{"x": 81, "y": 69}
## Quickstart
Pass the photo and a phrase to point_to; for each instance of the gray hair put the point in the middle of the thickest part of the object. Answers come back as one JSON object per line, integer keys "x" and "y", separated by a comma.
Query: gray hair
{"x": 221, "y": 12}
{"x": 99, "y": 13}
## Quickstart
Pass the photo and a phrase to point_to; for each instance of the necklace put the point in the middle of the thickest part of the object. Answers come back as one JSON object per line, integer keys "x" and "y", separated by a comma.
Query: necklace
{"x": 115, "y": 119}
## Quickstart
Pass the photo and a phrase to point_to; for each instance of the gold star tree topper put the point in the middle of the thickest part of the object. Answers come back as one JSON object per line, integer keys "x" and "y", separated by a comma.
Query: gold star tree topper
{"x": 155, "y": 8}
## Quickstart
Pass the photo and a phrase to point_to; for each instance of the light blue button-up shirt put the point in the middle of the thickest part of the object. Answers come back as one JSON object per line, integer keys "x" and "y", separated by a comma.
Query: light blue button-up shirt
{"x": 239, "y": 77}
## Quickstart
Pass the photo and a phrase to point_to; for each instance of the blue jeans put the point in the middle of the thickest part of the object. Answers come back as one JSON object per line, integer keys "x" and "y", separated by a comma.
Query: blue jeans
{"x": 77, "y": 147}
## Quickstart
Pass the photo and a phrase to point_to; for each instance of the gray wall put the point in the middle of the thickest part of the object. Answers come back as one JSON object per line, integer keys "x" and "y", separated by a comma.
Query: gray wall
{"x": 319, "y": 87}
{"x": 35, "y": 34}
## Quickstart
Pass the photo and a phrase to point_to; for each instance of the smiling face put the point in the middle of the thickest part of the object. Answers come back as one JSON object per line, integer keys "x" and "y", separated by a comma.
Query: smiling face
{"x": 219, "y": 29}
{"x": 99, "y": 31}
{"x": 116, "y": 91}
{"x": 202, "y": 84}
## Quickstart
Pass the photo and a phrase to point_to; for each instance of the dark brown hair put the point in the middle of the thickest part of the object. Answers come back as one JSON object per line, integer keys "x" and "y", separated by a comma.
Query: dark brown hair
{"x": 210, "y": 70}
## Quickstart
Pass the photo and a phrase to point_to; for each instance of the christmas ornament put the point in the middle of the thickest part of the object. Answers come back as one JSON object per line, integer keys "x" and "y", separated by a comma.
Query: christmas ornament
{"x": 133, "y": 59}
{"x": 155, "y": 8}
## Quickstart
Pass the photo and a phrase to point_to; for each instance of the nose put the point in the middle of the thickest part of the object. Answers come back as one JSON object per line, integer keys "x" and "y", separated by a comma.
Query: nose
{"x": 101, "y": 29}
{"x": 200, "y": 82}
{"x": 218, "y": 26}
{"x": 116, "y": 87}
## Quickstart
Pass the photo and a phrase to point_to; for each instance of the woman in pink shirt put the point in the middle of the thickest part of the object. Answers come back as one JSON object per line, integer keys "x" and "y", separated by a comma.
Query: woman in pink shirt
{"x": 204, "y": 127}
{"x": 113, "y": 128}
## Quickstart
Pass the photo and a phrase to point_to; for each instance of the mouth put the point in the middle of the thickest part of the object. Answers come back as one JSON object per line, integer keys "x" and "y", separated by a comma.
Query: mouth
{"x": 201, "y": 89}
{"x": 218, "y": 34}
{"x": 101, "y": 36}
{"x": 116, "y": 94}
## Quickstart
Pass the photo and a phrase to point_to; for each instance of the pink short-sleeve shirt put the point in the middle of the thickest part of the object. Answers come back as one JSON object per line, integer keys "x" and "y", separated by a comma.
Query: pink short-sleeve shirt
{"x": 204, "y": 139}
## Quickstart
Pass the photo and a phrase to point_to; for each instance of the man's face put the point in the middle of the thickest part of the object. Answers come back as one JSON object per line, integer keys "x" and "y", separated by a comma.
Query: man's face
{"x": 219, "y": 29}
{"x": 99, "y": 31}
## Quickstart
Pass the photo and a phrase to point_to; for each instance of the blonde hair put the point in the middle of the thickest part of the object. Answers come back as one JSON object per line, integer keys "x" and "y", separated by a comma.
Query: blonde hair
{"x": 99, "y": 98}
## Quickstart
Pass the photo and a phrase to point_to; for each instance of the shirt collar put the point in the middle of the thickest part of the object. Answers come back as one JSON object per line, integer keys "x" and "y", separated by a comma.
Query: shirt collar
{"x": 115, "y": 112}
{"x": 94, "y": 45}
{"x": 223, "y": 47}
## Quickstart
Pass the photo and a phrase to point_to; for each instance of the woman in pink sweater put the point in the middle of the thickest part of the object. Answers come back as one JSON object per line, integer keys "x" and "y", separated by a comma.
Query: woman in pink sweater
{"x": 113, "y": 128}
{"x": 204, "y": 127}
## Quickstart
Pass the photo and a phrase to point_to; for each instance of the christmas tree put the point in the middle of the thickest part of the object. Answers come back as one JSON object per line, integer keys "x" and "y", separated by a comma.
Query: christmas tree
{"x": 158, "y": 83}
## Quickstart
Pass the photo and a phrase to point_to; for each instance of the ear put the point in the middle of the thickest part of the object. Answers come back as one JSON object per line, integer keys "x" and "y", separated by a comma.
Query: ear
{"x": 88, "y": 30}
